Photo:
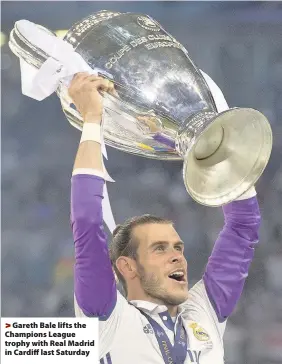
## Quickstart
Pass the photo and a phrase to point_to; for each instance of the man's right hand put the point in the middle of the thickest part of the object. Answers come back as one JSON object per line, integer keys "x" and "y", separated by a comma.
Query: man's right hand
{"x": 84, "y": 91}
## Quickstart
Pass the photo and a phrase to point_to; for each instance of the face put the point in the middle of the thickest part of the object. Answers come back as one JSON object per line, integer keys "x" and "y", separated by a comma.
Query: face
{"x": 161, "y": 265}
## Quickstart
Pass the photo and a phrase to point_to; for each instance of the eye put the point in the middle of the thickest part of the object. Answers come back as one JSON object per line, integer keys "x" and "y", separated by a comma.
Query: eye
{"x": 179, "y": 248}
{"x": 160, "y": 248}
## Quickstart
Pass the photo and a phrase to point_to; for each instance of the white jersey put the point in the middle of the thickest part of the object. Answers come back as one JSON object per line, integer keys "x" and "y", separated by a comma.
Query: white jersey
{"x": 126, "y": 337}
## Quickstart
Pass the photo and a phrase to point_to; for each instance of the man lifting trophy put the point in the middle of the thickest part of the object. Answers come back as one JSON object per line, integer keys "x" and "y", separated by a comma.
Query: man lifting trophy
{"x": 123, "y": 79}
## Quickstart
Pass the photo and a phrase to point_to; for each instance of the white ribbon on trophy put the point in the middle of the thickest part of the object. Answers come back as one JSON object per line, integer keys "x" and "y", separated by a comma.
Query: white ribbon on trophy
{"x": 61, "y": 66}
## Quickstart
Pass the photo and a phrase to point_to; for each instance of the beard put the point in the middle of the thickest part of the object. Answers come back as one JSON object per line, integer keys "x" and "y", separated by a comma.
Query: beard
{"x": 153, "y": 287}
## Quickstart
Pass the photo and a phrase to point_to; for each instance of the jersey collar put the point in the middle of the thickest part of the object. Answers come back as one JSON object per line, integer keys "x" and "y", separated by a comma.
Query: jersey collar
{"x": 154, "y": 308}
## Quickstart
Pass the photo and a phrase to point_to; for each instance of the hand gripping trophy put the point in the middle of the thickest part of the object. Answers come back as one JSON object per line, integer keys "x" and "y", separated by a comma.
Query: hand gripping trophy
{"x": 164, "y": 107}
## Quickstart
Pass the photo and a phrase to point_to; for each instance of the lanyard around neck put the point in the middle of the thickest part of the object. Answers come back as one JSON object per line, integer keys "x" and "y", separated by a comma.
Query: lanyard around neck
{"x": 171, "y": 354}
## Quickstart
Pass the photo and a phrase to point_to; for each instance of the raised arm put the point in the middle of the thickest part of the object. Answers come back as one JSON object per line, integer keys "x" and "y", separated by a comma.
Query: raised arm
{"x": 228, "y": 265}
{"x": 94, "y": 283}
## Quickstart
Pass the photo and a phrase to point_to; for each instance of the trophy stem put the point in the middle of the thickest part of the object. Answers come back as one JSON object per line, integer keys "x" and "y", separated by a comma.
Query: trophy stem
{"x": 209, "y": 143}
{"x": 191, "y": 130}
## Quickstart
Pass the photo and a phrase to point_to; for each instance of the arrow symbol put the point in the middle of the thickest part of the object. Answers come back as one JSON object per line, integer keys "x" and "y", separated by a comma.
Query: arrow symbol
{"x": 7, "y": 326}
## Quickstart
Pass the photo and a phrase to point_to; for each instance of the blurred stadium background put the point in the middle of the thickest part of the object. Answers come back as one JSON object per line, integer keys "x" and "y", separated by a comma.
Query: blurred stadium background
{"x": 239, "y": 45}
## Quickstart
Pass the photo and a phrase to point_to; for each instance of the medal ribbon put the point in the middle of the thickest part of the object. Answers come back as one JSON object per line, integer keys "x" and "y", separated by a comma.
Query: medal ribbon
{"x": 171, "y": 354}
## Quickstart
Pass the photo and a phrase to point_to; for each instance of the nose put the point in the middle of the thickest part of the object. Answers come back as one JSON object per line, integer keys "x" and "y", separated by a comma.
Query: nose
{"x": 176, "y": 257}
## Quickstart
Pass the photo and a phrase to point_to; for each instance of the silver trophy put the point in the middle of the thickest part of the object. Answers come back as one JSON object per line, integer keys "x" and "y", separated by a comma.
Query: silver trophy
{"x": 163, "y": 108}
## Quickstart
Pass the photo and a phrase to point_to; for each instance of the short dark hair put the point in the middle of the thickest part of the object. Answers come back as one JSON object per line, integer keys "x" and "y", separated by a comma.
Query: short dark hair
{"x": 123, "y": 244}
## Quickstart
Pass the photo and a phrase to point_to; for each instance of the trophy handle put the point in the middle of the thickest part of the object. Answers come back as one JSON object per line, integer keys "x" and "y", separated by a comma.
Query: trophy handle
{"x": 22, "y": 45}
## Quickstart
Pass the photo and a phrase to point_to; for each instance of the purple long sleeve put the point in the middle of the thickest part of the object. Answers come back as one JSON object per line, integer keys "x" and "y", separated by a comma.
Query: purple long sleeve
{"x": 94, "y": 282}
{"x": 228, "y": 265}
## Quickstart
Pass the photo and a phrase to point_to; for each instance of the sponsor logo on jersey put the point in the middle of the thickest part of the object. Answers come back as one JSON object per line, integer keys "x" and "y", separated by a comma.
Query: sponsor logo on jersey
{"x": 148, "y": 329}
{"x": 199, "y": 332}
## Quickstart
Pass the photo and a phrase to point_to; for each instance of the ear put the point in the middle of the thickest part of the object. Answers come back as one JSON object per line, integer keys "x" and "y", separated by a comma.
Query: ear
{"x": 127, "y": 267}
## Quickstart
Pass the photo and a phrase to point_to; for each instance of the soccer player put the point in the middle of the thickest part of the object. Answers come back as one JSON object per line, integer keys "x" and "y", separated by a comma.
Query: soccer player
{"x": 160, "y": 320}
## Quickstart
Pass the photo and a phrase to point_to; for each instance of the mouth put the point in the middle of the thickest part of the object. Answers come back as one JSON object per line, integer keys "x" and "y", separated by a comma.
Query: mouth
{"x": 178, "y": 276}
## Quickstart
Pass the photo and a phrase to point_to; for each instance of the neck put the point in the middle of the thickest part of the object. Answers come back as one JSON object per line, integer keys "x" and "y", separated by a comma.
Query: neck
{"x": 172, "y": 309}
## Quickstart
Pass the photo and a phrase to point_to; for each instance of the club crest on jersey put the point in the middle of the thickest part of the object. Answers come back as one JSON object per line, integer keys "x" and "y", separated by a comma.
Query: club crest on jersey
{"x": 147, "y": 23}
{"x": 199, "y": 332}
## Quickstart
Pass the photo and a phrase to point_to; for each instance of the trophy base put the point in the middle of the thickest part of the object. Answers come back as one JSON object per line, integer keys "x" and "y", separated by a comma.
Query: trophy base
{"x": 237, "y": 162}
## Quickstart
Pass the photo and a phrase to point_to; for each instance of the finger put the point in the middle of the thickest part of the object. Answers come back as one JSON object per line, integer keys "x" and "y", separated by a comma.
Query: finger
{"x": 101, "y": 84}
{"x": 114, "y": 93}
{"x": 77, "y": 79}
{"x": 84, "y": 78}
{"x": 112, "y": 90}
{"x": 96, "y": 81}
{"x": 111, "y": 86}
{"x": 80, "y": 80}
{"x": 92, "y": 78}
{"x": 80, "y": 76}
